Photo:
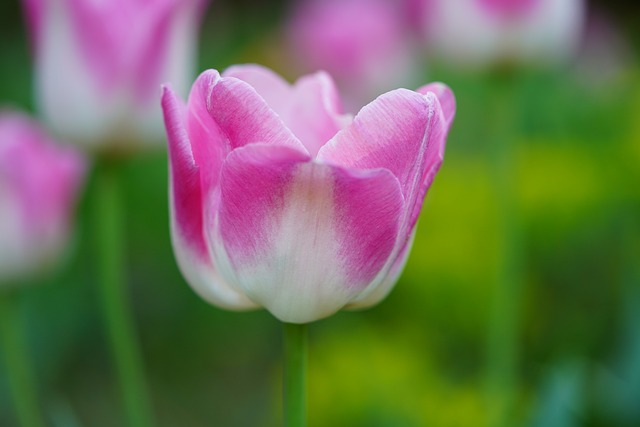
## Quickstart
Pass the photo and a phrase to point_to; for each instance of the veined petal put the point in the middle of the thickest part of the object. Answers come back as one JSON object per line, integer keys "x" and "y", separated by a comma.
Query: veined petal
{"x": 186, "y": 204}
{"x": 311, "y": 108}
{"x": 242, "y": 115}
{"x": 391, "y": 132}
{"x": 446, "y": 98}
{"x": 402, "y": 131}
{"x": 405, "y": 132}
{"x": 185, "y": 175}
{"x": 208, "y": 142}
{"x": 301, "y": 238}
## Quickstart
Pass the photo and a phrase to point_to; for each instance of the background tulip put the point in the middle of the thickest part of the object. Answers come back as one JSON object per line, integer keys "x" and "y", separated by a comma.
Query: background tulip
{"x": 483, "y": 32}
{"x": 280, "y": 200}
{"x": 364, "y": 44}
{"x": 99, "y": 65}
{"x": 39, "y": 182}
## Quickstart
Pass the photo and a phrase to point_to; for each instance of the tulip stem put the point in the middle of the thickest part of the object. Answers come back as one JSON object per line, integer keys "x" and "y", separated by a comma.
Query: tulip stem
{"x": 19, "y": 372}
{"x": 112, "y": 287}
{"x": 295, "y": 368}
{"x": 505, "y": 322}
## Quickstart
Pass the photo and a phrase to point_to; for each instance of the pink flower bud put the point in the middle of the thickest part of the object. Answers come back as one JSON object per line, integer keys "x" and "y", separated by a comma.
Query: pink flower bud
{"x": 39, "y": 182}
{"x": 280, "y": 200}
{"x": 99, "y": 65}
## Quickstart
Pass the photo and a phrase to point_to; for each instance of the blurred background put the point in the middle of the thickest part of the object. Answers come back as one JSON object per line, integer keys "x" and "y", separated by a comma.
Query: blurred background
{"x": 520, "y": 303}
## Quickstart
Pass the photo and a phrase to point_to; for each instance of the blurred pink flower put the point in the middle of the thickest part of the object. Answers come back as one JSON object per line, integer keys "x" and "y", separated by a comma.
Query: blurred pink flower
{"x": 364, "y": 44}
{"x": 486, "y": 32}
{"x": 39, "y": 183}
{"x": 280, "y": 200}
{"x": 99, "y": 65}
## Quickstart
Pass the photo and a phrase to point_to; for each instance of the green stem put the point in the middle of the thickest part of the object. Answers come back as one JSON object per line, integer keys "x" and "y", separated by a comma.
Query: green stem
{"x": 295, "y": 368}
{"x": 504, "y": 326}
{"x": 19, "y": 374}
{"x": 112, "y": 286}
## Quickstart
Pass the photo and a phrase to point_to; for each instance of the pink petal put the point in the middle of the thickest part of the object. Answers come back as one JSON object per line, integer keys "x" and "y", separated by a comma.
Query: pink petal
{"x": 187, "y": 213}
{"x": 302, "y": 238}
{"x": 34, "y": 13}
{"x": 402, "y": 131}
{"x": 225, "y": 113}
{"x": 242, "y": 115}
{"x": 446, "y": 98}
{"x": 207, "y": 140}
{"x": 311, "y": 108}
{"x": 185, "y": 175}
{"x": 39, "y": 184}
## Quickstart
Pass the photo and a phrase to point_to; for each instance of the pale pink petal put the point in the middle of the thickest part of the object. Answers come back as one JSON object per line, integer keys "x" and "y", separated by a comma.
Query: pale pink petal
{"x": 275, "y": 90}
{"x": 315, "y": 114}
{"x": 311, "y": 108}
{"x": 302, "y": 238}
{"x": 99, "y": 66}
{"x": 165, "y": 34}
{"x": 186, "y": 203}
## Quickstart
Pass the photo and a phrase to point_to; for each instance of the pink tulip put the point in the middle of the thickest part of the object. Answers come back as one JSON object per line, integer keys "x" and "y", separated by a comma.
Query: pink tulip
{"x": 485, "y": 32}
{"x": 39, "y": 182}
{"x": 364, "y": 44}
{"x": 280, "y": 200}
{"x": 99, "y": 65}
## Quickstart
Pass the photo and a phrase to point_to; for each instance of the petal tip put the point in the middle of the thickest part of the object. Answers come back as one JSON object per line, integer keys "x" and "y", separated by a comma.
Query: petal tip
{"x": 445, "y": 97}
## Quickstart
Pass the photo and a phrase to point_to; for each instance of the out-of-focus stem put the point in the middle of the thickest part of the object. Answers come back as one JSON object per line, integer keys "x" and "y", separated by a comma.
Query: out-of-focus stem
{"x": 295, "y": 368}
{"x": 112, "y": 286}
{"x": 504, "y": 323}
{"x": 18, "y": 369}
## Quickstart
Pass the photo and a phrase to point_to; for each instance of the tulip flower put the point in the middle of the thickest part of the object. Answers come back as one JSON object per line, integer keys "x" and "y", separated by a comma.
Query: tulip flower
{"x": 280, "y": 200}
{"x": 99, "y": 66}
{"x": 39, "y": 182}
{"x": 364, "y": 44}
{"x": 485, "y": 32}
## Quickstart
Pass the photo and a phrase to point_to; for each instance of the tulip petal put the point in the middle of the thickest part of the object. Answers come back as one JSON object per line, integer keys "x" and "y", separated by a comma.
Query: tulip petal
{"x": 311, "y": 108}
{"x": 405, "y": 132}
{"x": 185, "y": 194}
{"x": 275, "y": 90}
{"x": 241, "y": 115}
{"x": 446, "y": 98}
{"x": 315, "y": 114}
{"x": 377, "y": 293}
{"x": 207, "y": 140}
{"x": 402, "y": 131}
{"x": 302, "y": 238}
